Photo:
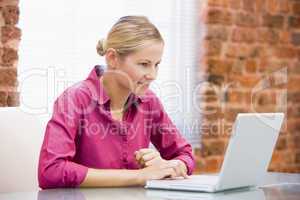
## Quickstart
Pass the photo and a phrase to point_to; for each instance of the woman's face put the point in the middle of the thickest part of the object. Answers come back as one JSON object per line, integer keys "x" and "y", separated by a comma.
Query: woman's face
{"x": 139, "y": 69}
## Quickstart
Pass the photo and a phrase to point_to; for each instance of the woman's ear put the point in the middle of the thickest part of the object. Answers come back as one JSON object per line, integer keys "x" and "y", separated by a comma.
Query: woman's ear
{"x": 111, "y": 58}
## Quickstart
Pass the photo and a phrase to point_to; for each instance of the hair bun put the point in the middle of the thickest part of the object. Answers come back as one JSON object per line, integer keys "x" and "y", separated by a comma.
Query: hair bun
{"x": 101, "y": 47}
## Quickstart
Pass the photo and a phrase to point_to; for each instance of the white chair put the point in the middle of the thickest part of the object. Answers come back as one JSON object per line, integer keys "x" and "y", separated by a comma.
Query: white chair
{"x": 20, "y": 142}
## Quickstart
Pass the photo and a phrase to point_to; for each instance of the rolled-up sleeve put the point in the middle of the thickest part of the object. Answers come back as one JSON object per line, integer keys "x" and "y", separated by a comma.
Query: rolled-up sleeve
{"x": 56, "y": 166}
{"x": 168, "y": 140}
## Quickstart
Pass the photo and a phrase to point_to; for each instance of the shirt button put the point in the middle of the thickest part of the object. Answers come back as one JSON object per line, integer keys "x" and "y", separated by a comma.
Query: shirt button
{"x": 122, "y": 131}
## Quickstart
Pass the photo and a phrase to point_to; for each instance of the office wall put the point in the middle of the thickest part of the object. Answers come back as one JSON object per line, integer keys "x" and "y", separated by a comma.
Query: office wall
{"x": 10, "y": 36}
{"x": 250, "y": 64}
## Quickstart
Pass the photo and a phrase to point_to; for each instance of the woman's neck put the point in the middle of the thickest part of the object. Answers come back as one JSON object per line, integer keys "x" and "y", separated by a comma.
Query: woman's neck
{"x": 118, "y": 96}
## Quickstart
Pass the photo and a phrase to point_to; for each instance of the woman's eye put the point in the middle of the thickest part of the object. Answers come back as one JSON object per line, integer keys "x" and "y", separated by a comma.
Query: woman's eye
{"x": 144, "y": 64}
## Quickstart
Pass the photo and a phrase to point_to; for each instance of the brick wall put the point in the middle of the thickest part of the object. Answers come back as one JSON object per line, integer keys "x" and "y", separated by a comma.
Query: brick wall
{"x": 250, "y": 64}
{"x": 9, "y": 41}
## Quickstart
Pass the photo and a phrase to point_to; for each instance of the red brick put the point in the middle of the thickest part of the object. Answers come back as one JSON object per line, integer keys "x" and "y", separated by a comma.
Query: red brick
{"x": 293, "y": 124}
{"x": 273, "y": 21}
{"x": 296, "y": 8}
{"x": 295, "y": 39}
{"x": 294, "y": 22}
{"x": 234, "y": 4}
{"x": 294, "y": 111}
{"x": 213, "y": 47}
{"x": 219, "y": 16}
{"x": 272, "y": 6}
{"x": 11, "y": 15}
{"x": 284, "y": 37}
{"x": 270, "y": 36}
{"x": 216, "y": 79}
{"x": 13, "y": 99}
{"x": 284, "y": 6}
{"x": 247, "y": 35}
{"x": 237, "y": 51}
{"x": 260, "y": 5}
{"x": 211, "y": 111}
{"x": 246, "y": 20}
{"x": 255, "y": 51}
{"x": 210, "y": 98}
{"x": 10, "y": 33}
{"x": 214, "y": 147}
{"x": 238, "y": 67}
{"x": 285, "y": 52}
{"x": 277, "y": 157}
{"x": 249, "y": 5}
{"x": 297, "y": 160}
{"x": 251, "y": 66}
{"x": 294, "y": 69}
{"x": 293, "y": 83}
{"x": 294, "y": 97}
{"x": 295, "y": 142}
{"x": 217, "y": 33}
{"x": 9, "y": 56}
{"x": 218, "y": 3}
{"x": 235, "y": 96}
{"x": 269, "y": 66}
{"x": 3, "y": 99}
{"x": 281, "y": 144}
{"x": 8, "y": 77}
{"x": 219, "y": 67}
{"x": 247, "y": 81}
{"x": 264, "y": 98}
{"x": 212, "y": 165}
{"x": 231, "y": 112}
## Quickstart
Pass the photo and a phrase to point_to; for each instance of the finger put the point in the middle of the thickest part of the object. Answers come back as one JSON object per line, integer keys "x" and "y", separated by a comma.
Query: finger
{"x": 140, "y": 153}
{"x": 183, "y": 168}
{"x": 178, "y": 171}
{"x": 150, "y": 156}
{"x": 141, "y": 163}
{"x": 169, "y": 173}
{"x": 153, "y": 161}
{"x": 183, "y": 173}
{"x": 173, "y": 173}
{"x": 144, "y": 151}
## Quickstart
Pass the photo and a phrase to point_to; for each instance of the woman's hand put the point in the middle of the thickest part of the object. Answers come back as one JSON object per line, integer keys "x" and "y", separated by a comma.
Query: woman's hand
{"x": 150, "y": 159}
{"x": 170, "y": 169}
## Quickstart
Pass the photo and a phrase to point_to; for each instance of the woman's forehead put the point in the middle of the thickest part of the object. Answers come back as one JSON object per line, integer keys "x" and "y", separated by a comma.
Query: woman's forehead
{"x": 149, "y": 52}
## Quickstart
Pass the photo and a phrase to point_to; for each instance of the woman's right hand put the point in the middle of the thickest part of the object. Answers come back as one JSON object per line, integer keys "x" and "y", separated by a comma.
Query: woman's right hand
{"x": 155, "y": 172}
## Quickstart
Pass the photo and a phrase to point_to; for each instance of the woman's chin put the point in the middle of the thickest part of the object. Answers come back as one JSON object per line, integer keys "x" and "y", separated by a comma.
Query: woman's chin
{"x": 141, "y": 91}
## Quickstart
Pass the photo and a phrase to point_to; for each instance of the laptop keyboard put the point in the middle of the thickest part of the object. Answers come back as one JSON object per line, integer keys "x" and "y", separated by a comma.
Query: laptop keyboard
{"x": 199, "y": 179}
{"x": 192, "y": 180}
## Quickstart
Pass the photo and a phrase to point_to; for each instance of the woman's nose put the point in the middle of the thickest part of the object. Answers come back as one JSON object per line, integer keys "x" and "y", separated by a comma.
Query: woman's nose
{"x": 151, "y": 75}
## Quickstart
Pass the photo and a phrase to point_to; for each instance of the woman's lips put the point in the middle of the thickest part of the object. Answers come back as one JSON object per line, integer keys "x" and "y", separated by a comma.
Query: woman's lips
{"x": 146, "y": 84}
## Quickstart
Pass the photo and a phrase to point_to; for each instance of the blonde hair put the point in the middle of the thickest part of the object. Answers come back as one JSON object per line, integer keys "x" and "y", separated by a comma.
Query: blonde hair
{"x": 128, "y": 35}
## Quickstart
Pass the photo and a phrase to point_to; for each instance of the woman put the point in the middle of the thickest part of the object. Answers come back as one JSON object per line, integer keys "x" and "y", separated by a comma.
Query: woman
{"x": 101, "y": 128}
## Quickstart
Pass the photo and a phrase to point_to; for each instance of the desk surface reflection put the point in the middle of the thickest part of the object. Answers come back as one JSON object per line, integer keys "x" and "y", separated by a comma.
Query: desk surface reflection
{"x": 276, "y": 186}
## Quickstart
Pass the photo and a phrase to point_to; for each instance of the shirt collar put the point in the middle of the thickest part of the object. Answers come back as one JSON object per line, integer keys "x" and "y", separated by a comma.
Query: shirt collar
{"x": 97, "y": 90}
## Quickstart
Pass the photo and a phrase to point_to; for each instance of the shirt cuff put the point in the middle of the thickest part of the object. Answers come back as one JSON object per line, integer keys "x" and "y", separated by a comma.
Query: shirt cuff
{"x": 76, "y": 174}
{"x": 188, "y": 161}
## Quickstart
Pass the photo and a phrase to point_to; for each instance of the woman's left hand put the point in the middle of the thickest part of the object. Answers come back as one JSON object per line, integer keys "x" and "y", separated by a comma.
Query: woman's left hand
{"x": 151, "y": 157}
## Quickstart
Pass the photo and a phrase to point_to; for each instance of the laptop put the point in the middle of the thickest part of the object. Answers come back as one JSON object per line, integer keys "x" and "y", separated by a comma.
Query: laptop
{"x": 238, "y": 194}
{"x": 246, "y": 160}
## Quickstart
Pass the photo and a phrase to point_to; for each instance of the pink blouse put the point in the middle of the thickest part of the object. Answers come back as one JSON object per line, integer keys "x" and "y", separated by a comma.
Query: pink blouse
{"x": 82, "y": 134}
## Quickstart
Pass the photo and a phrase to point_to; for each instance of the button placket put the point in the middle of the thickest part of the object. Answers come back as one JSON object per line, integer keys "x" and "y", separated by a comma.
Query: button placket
{"x": 124, "y": 144}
